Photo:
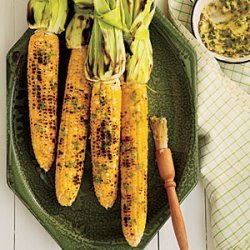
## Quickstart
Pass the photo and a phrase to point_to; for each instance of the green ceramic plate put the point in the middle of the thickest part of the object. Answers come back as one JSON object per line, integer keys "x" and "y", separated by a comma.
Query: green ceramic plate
{"x": 87, "y": 225}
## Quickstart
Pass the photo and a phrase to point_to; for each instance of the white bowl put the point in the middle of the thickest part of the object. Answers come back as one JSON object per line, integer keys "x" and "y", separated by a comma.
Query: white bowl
{"x": 198, "y": 7}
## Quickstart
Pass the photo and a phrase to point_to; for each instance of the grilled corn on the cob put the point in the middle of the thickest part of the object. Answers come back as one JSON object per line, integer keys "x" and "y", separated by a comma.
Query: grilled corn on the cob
{"x": 105, "y": 140}
{"x": 134, "y": 160}
{"x": 43, "y": 56}
{"x": 106, "y": 63}
{"x": 74, "y": 125}
{"x": 134, "y": 131}
{"x": 42, "y": 73}
{"x": 73, "y": 131}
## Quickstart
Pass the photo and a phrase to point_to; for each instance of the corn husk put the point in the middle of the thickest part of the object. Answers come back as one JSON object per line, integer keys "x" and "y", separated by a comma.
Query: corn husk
{"x": 79, "y": 29}
{"x": 136, "y": 17}
{"x": 50, "y": 15}
{"x": 106, "y": 58}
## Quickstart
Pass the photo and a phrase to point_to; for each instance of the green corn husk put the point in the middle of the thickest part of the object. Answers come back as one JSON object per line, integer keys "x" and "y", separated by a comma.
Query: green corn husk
{"x": 59, "y": 11}
{"x": 106, "y": 59}
{"x": 79, "y": 29}
{"x": 50, "y": 15}
{"x": 38, "y": 14}
{"x": 136, "y": 17}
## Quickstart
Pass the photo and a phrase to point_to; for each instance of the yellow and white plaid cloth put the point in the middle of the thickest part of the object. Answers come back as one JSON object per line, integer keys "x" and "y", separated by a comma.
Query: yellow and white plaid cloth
{"x": 224, "y": 137}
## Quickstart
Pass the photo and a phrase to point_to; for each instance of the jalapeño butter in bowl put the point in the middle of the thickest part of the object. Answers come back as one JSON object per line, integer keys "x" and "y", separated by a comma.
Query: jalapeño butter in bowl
{"x": 223, "y": 27}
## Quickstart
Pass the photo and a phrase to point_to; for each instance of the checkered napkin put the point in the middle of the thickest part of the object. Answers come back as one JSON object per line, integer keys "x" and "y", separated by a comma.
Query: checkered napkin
{"x": 224, "y": 137}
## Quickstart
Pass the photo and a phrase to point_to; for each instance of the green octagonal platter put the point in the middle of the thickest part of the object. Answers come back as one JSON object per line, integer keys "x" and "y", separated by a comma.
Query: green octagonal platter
{"x": 87, "y": 225}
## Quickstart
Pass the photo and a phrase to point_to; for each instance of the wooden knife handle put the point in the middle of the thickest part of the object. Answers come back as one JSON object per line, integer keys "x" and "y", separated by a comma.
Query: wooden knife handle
{"x": 167, "y": 173}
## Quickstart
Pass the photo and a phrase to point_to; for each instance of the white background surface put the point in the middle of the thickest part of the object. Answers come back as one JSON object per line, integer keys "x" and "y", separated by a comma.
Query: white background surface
{"x": 19, "y": 229}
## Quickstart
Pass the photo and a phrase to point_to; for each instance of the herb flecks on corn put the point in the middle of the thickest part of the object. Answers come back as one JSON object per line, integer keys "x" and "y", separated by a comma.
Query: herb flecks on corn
{"x": 42, "y": 74}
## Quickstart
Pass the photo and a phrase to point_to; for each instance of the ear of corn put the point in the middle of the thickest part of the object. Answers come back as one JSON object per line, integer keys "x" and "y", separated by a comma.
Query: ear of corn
{"x": 73, "y": 131}
{"x": 105, "y": 140}
{"x": 43, "y": 60}
{"x": 106, "y": 63}
{"x": 43, "y": 56}
{"x": 137, "y": 16}
{"x": 134, "y": 161}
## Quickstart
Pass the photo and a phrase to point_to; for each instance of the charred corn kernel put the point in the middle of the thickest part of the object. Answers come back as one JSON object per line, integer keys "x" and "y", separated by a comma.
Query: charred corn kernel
{"x": 105, "y": 140}
{"x": 134, "y": 160}
{"x": 43, "y": 56}
{"x": 73, "y": 131}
